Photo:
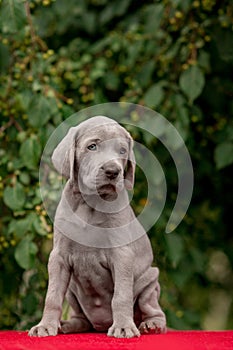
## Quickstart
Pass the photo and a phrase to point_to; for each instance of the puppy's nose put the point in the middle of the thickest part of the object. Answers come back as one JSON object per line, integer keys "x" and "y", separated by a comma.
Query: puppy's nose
{"x": 112, "y": 172}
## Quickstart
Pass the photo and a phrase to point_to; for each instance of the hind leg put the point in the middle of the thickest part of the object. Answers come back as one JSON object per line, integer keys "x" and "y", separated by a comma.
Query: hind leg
{"x": 78, "y": 323}
{"x": 153, "y": 318}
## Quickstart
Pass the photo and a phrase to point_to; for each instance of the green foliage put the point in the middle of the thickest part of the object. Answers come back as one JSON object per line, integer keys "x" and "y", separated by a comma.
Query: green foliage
{"x": 224, "y": 154}
{"x": 153, "y": 96}
{"x": 25, "y": 253}
{"x": 14, "y": 196}
{"x": 192, "y": 82}
{"x": 57, "y": 57}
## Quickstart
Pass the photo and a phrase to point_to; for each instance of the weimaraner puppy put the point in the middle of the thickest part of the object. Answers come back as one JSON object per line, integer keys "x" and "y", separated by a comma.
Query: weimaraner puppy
{"x": 101, "y": 258}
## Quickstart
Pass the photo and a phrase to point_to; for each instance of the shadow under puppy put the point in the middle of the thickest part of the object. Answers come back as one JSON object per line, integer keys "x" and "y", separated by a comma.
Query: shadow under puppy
{"x": 101, "y": 258}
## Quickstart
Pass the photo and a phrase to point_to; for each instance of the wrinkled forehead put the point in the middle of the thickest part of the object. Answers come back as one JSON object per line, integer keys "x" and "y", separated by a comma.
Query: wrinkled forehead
{"x": 104, "y": 132}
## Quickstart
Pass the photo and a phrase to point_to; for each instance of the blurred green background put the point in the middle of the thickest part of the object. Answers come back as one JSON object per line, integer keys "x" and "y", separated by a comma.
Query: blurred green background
{"x": 174, "y": 56}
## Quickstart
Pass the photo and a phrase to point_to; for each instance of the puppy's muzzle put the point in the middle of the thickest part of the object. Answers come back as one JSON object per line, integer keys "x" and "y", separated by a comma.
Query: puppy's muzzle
{"x": 111, "y": 170}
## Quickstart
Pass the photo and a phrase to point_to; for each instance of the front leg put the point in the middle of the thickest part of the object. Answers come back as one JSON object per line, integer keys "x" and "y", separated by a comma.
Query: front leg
{"x": 153, "y": 318}
{"x": 122, "y": 302}
{"x": 59, "y": 277}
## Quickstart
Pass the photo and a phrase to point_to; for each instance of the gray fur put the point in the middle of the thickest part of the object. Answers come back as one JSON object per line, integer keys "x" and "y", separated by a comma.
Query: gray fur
{"x": 110, "y": 287}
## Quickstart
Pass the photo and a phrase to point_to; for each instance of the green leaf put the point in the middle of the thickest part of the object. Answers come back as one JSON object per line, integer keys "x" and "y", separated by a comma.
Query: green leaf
{"x": 25, "y": 253}
{"x": 154, "y": 96}
{"x": 180, "y": 279}
{"x": 204, "y": 60}
{"x": 19, "y": 227}
{"x": 175, "y": 248}
{"x": 223, "y": 154}
{"x": 39, "y": 111}
{"x": 183, "y": 132}
{"x": 30, "y": 303}
{"x": 24, "y": 178}
{"x": 229, "y": 132}
{"x": 173, "y": 137}
{"x": 154, "y": 15}
{"x": 192, "y": 82}
{"x": 12, "y": 16}
{"x": 30, "y": 152}
{"x": 145, "y": 75}
{"x": 24, "y": 98}
{"x": 113, "y": 9}
{"x": 134, "y": 52}
{"x": 157, "y": 126}
{"x": 121, "y": 7}
{"x": 89, "y": 22}
{"x": 14, "y": 196}
{"x": 112, "y": 80}
{"x": 199, "y": 258}
{"x": 37, "y": 225}
{"x": 223, "y": 39}
{"x": 4, "y": 58}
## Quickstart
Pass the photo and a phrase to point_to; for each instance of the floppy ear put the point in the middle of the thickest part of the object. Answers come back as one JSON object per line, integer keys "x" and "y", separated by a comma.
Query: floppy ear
{"x": 63, "y": 156}
{"x": 130, "y": 170}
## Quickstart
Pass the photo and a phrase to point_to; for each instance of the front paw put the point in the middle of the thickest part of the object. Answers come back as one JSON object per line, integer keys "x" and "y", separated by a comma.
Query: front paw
{"x": 123, "y": 331}
{"x": 152, "y": 325}
{"x": 42, "y": 330}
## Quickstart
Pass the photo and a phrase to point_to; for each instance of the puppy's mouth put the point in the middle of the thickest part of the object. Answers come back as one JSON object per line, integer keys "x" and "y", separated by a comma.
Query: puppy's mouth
{"x": 108, "y": 188}
{"x": 107, "y": 192}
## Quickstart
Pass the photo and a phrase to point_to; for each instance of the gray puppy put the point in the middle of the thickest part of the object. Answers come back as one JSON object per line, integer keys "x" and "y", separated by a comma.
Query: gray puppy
{"x": 101, "y": 258}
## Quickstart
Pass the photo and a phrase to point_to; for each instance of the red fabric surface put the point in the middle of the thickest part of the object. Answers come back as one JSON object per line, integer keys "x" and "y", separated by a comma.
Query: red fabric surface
{"x": 173, "y": 340}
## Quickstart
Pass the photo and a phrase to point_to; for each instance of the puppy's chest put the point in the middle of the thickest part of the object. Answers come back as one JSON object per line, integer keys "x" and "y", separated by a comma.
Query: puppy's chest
{"x": 97, "y": 218}
{"x": 91, "y": 273}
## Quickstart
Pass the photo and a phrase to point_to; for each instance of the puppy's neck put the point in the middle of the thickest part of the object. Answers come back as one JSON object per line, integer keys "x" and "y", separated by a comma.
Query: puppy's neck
{"x": 105, "y": 202}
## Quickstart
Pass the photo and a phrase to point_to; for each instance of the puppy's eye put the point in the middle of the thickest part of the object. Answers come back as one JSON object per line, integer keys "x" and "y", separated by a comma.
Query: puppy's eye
{"x": 92, "y": 147}
{"x": 122, "y": 150}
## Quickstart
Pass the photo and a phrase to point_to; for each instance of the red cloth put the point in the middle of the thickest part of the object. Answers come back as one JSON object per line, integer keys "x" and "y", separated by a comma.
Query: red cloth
{"x": 173, "y": 340}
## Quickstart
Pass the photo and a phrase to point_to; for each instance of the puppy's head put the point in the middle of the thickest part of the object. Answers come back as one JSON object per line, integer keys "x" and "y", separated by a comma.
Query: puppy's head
{"x": 97, "y": 156}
